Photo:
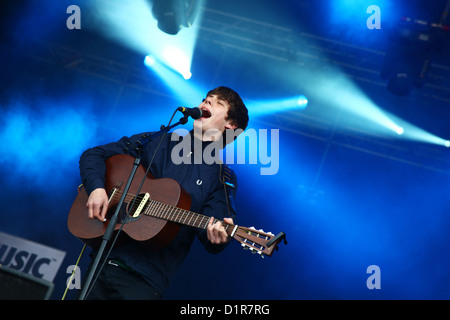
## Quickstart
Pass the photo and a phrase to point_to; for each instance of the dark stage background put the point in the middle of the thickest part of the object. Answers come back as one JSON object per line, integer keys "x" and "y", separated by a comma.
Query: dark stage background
{"x": 349, "y": 192}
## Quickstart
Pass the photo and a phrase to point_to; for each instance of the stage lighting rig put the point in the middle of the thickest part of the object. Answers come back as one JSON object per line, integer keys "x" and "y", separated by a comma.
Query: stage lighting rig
{"x": 408, "y": 61}
{"x": 173, "y": 15}
{"x": 414, "y": 43}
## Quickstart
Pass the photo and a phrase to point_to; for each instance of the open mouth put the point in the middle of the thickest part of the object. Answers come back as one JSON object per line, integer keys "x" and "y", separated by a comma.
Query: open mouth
{"x": 205, "y": 113}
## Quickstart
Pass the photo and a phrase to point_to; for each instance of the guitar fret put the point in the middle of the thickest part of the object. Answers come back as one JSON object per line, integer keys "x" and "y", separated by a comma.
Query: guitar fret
{"x": 161, "y": 211}
{"x": 177, "y": 212}
{"x": 180, "y": 215}
{"x": 155, "y": 208}
{"x": 169, "y": 218}
{"x": 189, "y": 222}
{"x": 200, "y": 222}
{"x": 166, "y": 213}
{"x": 185, "y": 216}
{"x": 173, "y": 212}
{"x": 206, "y": 223}
{"x": 157, "y": 212}
{"x": 195, "y": 221}
{"x": 151, "y": 207}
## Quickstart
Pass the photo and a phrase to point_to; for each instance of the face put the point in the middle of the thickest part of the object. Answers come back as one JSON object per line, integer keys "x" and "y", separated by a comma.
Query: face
{"x": 216, "y": 124}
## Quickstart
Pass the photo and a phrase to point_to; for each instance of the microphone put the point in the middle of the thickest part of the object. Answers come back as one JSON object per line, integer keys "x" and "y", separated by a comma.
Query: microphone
{"x": 194, "y": 113}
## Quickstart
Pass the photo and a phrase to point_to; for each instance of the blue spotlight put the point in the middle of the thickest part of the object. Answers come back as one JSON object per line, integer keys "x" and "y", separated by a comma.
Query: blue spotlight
{"x": 119, "y": 22}
{"x": 339, "y": 92}
{"x": 176, "y": 59}
{"x": 265, "y": 107}
{"x": 188, "y": 92}
{"x": 187, "y": 75}
{"x": 302, "y": 101}
{"x": 149, "y": 60}
{"x": 411, "y": 132}
{"x": 399, "y": 130}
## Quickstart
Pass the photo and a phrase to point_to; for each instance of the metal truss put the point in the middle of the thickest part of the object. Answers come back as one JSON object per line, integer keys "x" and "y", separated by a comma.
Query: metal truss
{"x": 280, "y": 44}
{"x": 106, "y": 69}
{"x": 309, "y": 51}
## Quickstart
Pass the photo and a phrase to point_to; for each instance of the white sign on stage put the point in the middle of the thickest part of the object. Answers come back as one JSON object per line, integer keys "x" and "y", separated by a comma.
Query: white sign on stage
{"x": 30, "y": 257}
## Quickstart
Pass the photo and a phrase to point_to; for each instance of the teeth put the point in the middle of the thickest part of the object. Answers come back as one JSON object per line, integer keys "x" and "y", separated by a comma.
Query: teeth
{"x": 205, "y": 113}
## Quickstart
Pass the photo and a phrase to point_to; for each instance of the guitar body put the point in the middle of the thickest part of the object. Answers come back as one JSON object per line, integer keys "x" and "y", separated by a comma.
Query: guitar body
{"x": 149, "y": 231}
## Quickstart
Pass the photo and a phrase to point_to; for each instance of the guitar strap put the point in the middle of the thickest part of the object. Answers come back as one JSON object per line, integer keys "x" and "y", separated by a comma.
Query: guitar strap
{"x": 229, "y": 181}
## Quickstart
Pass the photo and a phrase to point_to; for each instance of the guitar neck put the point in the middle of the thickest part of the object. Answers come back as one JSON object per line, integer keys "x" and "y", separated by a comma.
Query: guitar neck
{"x": 167, "y": 212}
{"x": 250, "y": 238}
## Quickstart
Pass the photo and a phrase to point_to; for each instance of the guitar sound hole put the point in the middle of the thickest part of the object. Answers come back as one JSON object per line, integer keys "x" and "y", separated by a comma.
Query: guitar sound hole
{"x": 138, "y": 205}
{"x": 135, "y": 207}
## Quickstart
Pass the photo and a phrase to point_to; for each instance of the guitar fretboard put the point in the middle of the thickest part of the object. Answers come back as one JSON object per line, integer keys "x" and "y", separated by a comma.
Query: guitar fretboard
{"x": 168, "y": 212}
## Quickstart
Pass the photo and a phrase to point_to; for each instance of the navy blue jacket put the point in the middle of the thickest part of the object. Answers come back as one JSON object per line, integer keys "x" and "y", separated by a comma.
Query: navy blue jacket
{"x": 201, "y": 181}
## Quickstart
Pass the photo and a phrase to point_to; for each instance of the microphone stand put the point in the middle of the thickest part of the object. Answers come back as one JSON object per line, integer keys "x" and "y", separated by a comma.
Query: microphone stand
{"x": 113, "y": 220}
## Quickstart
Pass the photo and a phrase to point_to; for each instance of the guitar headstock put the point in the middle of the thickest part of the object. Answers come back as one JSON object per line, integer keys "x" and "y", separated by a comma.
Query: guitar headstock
{"x": 258, "y": 241}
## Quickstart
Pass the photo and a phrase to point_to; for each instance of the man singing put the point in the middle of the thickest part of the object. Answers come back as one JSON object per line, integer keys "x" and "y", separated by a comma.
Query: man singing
{"x": 132, "y": 271}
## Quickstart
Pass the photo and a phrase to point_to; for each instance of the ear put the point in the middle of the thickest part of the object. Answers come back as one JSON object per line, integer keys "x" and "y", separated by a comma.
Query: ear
{"x": 230, "y": 125}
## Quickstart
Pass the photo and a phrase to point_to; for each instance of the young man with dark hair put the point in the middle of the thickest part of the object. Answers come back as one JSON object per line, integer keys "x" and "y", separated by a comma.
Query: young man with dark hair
{"x": 132, "y": 271}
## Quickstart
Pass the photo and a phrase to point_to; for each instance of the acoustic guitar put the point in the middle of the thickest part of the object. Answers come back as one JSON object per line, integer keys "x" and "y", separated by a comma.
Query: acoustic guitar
{"x": 154, "y": 216}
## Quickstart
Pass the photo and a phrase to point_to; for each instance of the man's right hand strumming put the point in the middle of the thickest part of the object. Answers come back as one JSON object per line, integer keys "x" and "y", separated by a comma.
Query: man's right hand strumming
{"x": 97, "y": 204}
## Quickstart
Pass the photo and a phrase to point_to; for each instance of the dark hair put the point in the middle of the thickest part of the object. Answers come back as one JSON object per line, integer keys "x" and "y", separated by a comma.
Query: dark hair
{"x": 237, "y": 112}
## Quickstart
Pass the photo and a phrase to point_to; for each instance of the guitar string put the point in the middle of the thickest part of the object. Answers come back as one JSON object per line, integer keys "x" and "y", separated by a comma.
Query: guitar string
{"x": 167, "y": 212}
